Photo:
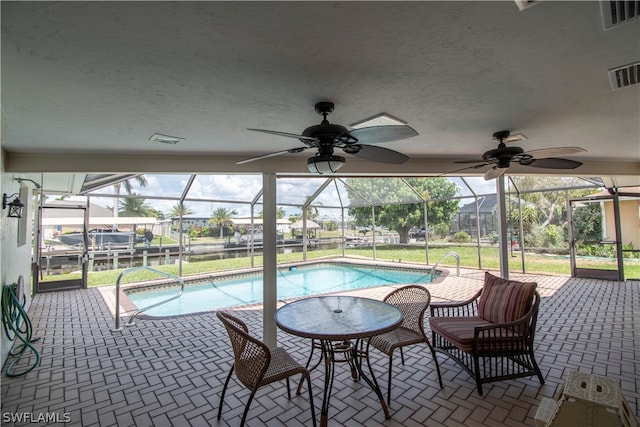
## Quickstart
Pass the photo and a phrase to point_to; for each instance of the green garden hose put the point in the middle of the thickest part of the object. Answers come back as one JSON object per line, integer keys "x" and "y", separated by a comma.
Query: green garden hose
{"x": 17, "y": 324}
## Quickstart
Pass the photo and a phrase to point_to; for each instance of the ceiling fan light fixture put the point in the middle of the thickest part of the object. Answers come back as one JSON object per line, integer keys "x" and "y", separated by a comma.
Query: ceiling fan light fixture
{"x": 325, "y": 163}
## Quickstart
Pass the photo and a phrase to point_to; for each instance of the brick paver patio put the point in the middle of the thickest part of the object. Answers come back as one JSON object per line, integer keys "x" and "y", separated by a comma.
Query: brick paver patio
{"x": 169, "y": 372}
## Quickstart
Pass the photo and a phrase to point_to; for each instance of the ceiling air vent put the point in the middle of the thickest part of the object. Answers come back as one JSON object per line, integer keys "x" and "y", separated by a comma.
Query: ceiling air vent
{"x": 165, "y": 139}
{"x": 618, "y": 12}
{"x": 628, "y": 75}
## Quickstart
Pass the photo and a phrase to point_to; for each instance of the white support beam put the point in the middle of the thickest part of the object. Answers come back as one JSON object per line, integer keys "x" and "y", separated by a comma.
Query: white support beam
{"x": 502, "y": 228}
{"x": 269, "y": 269}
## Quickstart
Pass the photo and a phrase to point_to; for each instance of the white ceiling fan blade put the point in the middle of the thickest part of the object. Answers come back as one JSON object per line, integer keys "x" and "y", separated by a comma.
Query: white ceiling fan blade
{"x": 506, "y": 136}
{"x": 377, "y": 134}
{"x": 494, "y": 173}
{"x": 515, "y": 137}
{"x": 277, "y": 153}
{"x": 463, "y": 169}
{"x": 554, "y": 152}
{"x": 286, "y": 134}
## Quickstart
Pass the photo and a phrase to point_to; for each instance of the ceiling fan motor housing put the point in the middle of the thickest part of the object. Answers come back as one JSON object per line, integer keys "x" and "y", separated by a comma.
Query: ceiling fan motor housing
{"x": 324, "y": 132}
{"x": 502, "y": 153}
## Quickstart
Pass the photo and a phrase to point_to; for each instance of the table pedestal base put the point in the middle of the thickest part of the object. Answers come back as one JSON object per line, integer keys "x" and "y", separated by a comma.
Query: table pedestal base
{"x": 329, "y": 351}
{"x": 341, "y": 325}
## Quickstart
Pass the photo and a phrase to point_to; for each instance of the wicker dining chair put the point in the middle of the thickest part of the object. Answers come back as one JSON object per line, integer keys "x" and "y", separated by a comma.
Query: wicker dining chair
{"x": 413, "y": 301}
{"x": 256, "y": 365}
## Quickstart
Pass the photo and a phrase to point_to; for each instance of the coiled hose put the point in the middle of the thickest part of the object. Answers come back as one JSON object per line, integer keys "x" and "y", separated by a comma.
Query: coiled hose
{"x": 17, "y": 324}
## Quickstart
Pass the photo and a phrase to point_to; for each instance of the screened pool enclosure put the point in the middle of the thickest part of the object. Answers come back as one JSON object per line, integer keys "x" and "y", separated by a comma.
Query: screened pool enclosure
{"x": 202, "y": 223}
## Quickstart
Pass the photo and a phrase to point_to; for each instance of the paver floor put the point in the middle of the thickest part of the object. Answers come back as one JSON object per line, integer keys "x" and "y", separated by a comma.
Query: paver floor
{"x": 170, "y": 372}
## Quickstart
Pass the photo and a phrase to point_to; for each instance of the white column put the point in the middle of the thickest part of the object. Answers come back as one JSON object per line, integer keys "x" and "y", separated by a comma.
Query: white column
{"x": 502, "y": 228}
{"x": 269, "y": 267}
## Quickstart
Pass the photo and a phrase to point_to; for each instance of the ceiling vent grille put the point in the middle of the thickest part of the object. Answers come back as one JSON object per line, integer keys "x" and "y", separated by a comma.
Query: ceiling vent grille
{"x": 618, "y": 12}
{"x": 165, "y": 139}
{"x": 628, "y": 75}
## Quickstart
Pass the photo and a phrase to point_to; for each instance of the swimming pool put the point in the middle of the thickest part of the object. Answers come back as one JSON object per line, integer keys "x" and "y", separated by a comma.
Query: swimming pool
{"x": 292, "y": 282}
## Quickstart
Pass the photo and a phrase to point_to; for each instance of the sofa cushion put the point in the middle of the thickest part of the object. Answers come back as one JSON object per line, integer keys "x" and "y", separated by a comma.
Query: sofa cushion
{"x": 457, "y": 330}
{"x": 460, "y": 331}
{"x": 504, "y": 300}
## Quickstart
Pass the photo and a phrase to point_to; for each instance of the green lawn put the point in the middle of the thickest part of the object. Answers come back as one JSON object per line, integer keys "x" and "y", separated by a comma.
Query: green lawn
{"x": 534, "y": 263}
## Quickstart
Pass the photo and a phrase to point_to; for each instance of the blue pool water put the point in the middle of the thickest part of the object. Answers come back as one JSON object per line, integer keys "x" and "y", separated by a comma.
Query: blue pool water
{"x": 247, "y": 289}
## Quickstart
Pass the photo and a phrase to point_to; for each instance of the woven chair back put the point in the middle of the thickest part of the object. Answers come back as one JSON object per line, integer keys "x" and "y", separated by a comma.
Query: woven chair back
{"x": 413, "y": 301}
{"x": 251, "y": 356}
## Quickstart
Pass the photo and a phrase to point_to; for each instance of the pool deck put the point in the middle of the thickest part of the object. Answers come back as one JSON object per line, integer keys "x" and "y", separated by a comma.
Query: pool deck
{"x": 166, "y": 372}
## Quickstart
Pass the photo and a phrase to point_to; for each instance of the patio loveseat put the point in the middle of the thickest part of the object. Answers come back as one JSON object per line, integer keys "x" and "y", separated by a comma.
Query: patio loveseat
{"x": 491, "y": 334}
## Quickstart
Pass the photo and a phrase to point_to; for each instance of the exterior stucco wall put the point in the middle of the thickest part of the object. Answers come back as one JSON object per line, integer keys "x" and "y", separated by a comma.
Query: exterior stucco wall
{"x": 15, "y": 260}
{"x": 629, "y": 221}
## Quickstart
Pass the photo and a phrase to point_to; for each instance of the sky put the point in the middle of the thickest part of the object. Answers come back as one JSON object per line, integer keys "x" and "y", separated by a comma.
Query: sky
{"x": 240, "y": 190}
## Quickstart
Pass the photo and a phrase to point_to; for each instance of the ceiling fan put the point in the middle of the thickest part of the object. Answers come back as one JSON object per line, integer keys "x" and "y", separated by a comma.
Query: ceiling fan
{"x": 326, "y": 137}
{"x": 502, "y": 157}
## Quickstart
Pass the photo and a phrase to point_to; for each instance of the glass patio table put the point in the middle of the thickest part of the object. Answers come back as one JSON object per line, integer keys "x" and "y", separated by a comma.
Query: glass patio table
{"x": 331, "y": 319}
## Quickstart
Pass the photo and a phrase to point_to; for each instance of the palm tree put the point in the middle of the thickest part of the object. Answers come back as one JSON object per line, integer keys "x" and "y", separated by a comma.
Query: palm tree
{"x": 135, "y": 206}
{"x": 280, "y": 213}
{"x": 159, "y": 215}
{"x": 180, "y": 209}
{"x": 142, "y": 181}
{"x": 294, "y": 218}
{"x": 311, "y": 212}
{"x": 222, "y": 217}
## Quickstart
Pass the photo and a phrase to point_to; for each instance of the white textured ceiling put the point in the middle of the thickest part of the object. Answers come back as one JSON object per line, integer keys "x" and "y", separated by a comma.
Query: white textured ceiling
{"x": 84, "y": 85}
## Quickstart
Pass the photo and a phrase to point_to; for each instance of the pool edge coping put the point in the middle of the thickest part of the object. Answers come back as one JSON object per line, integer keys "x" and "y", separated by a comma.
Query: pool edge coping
{"x": 129, "y": 307}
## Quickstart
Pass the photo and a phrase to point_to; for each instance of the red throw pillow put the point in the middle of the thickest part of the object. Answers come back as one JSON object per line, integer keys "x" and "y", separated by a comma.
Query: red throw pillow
{"x": 504, "y": 300}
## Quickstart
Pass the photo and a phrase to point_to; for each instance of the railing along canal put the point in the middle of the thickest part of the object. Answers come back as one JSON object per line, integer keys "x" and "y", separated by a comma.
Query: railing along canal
{"x": 140, "y": 310}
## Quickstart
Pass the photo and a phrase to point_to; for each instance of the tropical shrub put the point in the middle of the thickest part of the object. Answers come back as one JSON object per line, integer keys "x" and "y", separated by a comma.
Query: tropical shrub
{"x": 629, "y": 247}
{"x": 461, "y": 237}
{"x": 587, "y": 222}
{"x": 553, "y": 236}
{"x": 604, "y": 251}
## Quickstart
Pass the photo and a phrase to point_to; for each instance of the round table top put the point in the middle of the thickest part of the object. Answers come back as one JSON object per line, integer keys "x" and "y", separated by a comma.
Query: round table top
{"x": 338, "y": 317}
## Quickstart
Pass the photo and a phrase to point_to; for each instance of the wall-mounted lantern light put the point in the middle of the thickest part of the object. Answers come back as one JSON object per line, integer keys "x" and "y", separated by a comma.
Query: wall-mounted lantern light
{"x": 15, "y": 206}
